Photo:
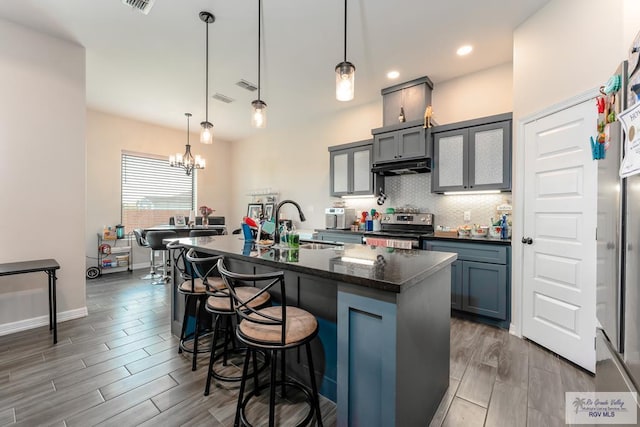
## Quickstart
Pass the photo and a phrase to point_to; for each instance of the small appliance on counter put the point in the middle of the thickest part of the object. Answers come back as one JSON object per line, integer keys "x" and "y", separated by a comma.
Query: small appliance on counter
{"x": 402, "y": 230}
{"x": 339, "y": 218}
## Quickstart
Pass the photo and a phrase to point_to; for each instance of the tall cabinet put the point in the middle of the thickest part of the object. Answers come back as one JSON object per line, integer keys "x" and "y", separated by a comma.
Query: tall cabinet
{"x": 472, "y": 155}
{"x": 350, "y": 170}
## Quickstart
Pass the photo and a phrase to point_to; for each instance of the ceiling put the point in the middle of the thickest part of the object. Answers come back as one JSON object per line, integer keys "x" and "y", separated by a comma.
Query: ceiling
{"x": 152, "y": 67}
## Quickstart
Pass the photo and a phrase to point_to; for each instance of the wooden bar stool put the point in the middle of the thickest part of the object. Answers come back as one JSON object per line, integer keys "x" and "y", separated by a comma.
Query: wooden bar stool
{"x": 194, "y": 288}
{"x": 221, "y": 305}
{"x": 274, "y": 330}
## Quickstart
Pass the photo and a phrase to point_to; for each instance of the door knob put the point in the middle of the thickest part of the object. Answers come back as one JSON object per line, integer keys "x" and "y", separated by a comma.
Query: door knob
{"x": 527, "y": 240}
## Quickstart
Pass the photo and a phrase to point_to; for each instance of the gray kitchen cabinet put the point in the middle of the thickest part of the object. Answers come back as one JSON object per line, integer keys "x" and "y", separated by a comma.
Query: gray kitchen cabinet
{"x": 340, "y": 237}
{"x": 350, "y": 170}
{"x": 412, "y": 97}
{"x": 480, "y": 280}
{"x": 456, "y": 285}
{"x": 400, "y": 144}
{"x": 473, "y": 155}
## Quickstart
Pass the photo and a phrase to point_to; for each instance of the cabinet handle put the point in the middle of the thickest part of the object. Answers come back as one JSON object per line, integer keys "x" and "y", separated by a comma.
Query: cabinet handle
{"x": 464, "y": 186}
{"x": 471, "y": 186}
{"x": 527, "y": 240}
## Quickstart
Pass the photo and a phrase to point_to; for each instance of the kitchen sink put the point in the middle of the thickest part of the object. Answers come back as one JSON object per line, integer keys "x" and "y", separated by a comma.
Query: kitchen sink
{"x": 319, "y": 246}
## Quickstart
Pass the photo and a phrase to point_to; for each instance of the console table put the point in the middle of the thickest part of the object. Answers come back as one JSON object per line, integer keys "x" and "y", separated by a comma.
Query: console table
{"x": 49, "y": 266}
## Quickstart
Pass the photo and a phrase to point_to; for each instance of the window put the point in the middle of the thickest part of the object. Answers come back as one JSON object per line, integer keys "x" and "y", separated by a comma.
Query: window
{"x": 153, "y": 191}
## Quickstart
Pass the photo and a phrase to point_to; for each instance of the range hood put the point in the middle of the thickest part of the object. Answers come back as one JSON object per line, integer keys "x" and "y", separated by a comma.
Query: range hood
{"x": 404, "y": 167}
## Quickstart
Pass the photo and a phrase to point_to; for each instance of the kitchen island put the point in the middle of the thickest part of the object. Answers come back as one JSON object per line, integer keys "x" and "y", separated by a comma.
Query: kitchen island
{"x": 382, "y": 352}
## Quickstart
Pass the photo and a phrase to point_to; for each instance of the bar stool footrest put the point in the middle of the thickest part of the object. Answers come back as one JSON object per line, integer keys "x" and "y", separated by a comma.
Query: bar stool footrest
{"x": 186, "y": 344}
{"x": 240, "y": 350}
{"x": 289, "y": 383}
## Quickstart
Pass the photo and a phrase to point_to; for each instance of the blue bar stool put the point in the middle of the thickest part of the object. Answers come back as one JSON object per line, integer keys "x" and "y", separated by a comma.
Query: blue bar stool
{"x": 273, "y": 330}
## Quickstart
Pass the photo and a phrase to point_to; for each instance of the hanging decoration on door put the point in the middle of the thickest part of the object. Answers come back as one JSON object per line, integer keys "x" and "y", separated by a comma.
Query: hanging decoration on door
{"x": 605, "y": 104}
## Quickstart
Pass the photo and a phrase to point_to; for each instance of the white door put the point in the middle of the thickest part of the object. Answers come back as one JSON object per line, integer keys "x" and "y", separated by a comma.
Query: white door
{"x": 559, "y": 265}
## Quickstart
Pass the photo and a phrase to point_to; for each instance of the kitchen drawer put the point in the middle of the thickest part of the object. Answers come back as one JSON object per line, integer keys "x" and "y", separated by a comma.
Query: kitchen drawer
{"x": 479, "y": 252}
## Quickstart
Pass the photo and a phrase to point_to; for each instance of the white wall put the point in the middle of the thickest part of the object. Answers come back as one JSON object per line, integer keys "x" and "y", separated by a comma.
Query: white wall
{"x": 109, "y": 135}
{"x": 295, "y": 161}
{"x": 567, "y": 48}
{"x": 42, "y": 170}
{"x": 480, "y": 94}
{"x": 559, "y": 52}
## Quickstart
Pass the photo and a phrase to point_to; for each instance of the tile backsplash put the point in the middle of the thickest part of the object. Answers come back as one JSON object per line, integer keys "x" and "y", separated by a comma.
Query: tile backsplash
{"x": 415, "y": 191}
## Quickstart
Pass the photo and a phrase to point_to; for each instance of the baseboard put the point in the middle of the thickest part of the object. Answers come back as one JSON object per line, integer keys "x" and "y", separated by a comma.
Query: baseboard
{"x": 36, "y": 322}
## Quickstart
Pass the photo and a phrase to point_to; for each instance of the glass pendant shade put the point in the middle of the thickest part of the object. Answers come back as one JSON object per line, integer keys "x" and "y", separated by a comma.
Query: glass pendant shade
{"x": 345, "y": 81}
{"x": 258, "y": 114}
{"x": 206, "y": 133}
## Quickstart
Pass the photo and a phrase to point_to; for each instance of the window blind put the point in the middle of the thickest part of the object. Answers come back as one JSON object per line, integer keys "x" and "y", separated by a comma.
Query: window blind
{"x": 153, "y": 191}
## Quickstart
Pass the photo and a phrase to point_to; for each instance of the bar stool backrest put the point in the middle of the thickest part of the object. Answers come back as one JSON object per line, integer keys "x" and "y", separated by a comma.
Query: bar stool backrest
{"x": 178, "y": 252}
{"x": 139, "y": 238}
{"x": 155, "y": 239}
{"x": 265, "y": 281}
{"x": 202, "y": 267}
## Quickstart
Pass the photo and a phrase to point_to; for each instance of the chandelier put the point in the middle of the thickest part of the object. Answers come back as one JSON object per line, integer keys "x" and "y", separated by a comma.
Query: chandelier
{"x": 186, "y": 160}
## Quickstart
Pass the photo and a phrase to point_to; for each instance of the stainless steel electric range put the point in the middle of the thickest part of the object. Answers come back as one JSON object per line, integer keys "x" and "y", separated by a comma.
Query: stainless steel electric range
{"x": 402, "y": 230}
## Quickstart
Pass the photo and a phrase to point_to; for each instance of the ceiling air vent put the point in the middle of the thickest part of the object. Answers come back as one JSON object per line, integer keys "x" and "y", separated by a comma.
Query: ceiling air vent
{"x": 247, "y": 85}
{"x": 223, "y": 98}
{"x": 143, "y": 6}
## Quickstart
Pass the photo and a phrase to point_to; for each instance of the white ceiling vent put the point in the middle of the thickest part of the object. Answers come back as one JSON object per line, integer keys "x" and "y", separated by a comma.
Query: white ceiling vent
{"x": 223, "y": 98}
{"x": 247, "y": 85}
{"x": 143, "y": 6}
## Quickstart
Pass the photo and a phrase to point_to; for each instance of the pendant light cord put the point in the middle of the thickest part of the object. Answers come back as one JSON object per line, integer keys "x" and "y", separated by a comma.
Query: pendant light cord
{"x": 345, "y": 30}
{"x": 259, "y": 38}
{"x": 206, "y": 84}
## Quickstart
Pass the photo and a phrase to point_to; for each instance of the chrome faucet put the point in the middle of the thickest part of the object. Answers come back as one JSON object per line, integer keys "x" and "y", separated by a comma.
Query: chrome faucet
{"x": 276, "y": 234}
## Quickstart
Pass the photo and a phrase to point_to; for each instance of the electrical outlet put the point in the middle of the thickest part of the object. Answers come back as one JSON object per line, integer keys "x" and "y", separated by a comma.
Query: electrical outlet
{"x": 467, "y": 215}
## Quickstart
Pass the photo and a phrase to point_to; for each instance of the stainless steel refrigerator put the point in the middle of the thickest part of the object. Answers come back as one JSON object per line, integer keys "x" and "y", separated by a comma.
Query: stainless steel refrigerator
{"x": 618, "y": 253}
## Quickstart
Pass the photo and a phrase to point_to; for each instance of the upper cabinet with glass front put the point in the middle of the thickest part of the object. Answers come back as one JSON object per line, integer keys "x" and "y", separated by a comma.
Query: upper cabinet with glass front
{"x": 474, "y": 155}
{"x": 350, "y": 169}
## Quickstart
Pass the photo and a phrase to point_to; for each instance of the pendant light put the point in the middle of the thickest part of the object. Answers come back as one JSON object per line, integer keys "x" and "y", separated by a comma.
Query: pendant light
{"x": 186, "y": 160}
{"x": 258, "y": 106}
{"x": 206, "y": 133}
{"x": 345, "y": 71}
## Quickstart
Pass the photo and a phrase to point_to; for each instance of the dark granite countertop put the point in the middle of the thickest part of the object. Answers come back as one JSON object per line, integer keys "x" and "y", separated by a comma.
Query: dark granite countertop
{"x": 490, "y": 240}
{"x": 383, "y": 269}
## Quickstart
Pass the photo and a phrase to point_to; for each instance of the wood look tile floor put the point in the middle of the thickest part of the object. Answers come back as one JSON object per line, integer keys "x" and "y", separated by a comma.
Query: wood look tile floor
{"x": 120, "y": 366}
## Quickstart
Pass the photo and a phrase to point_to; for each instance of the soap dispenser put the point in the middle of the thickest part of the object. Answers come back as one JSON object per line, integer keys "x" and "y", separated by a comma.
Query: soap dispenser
{"x": 504, "y": 228}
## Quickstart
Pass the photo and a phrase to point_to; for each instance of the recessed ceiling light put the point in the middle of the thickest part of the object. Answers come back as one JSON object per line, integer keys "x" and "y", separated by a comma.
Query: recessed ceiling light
{"x": 464, "y": 50}
{"x": 393, "y": 74}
